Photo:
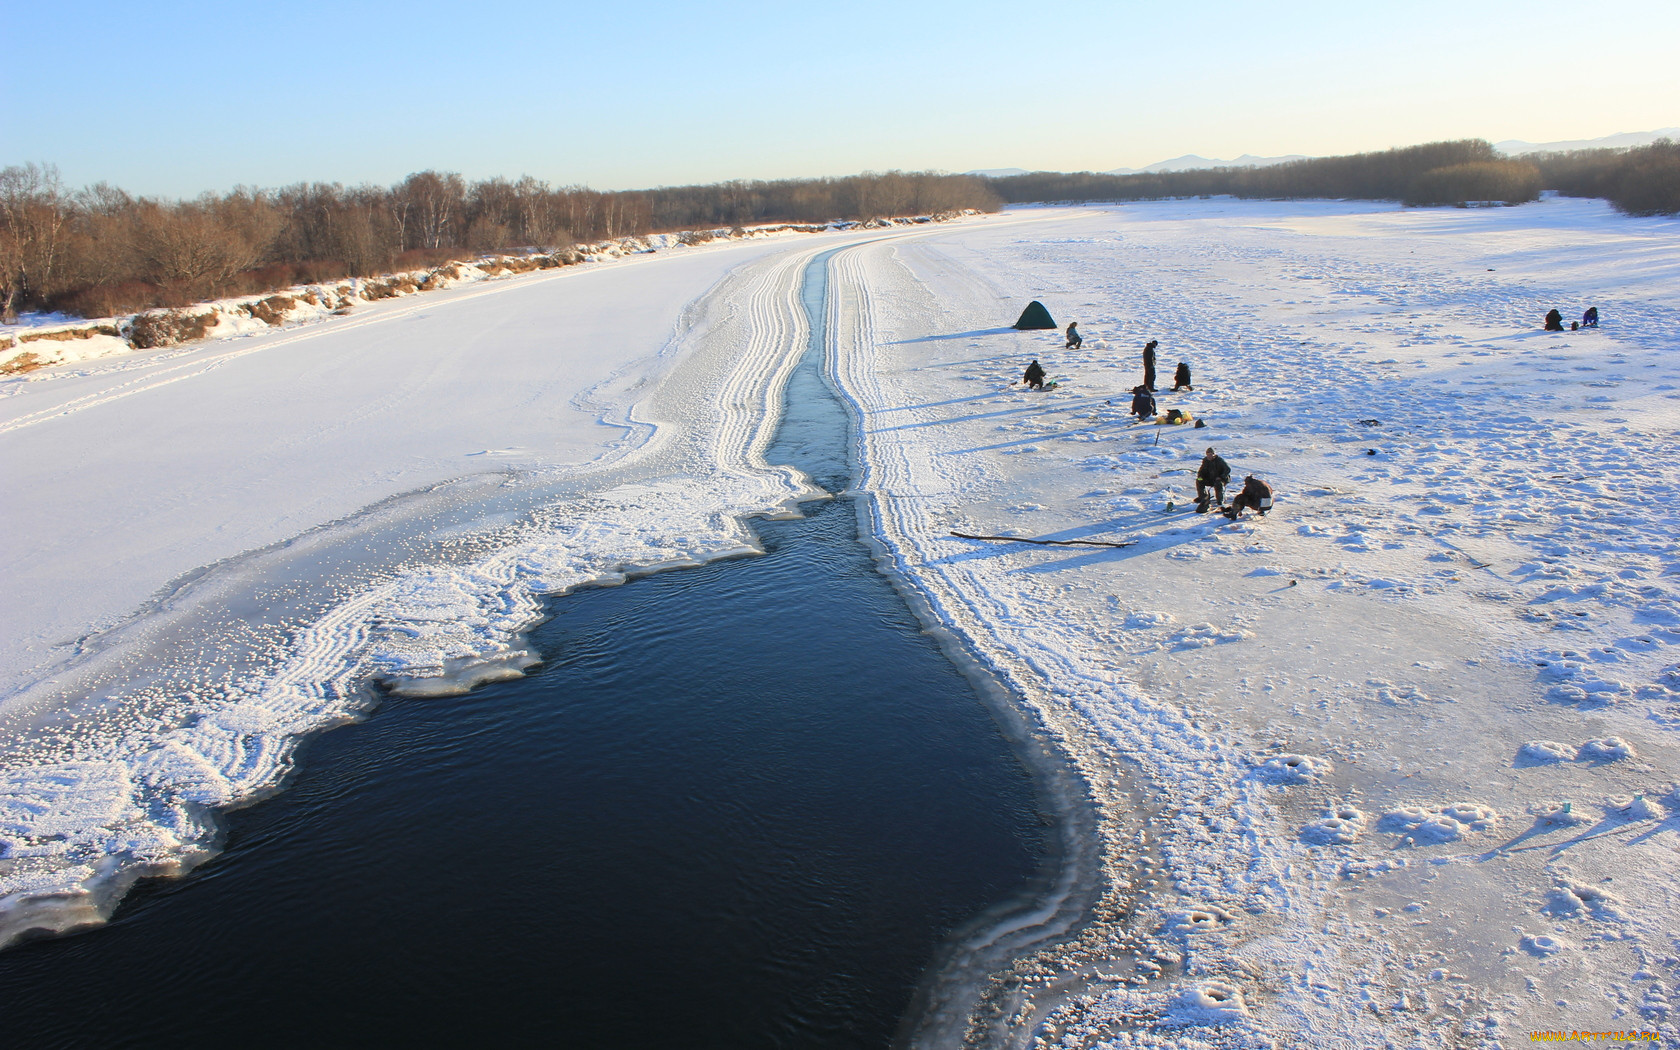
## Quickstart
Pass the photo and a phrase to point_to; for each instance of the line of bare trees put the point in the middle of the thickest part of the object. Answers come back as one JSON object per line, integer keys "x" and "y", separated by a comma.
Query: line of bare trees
{"x": 1388, "y": 175}
{"x": 1641, "y": 181}
{"x": 99, "y": 251}
{"x": 1644, "y": 180}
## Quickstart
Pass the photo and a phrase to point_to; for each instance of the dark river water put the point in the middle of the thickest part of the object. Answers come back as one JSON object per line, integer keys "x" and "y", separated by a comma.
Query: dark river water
{"x": 741, "y": 805}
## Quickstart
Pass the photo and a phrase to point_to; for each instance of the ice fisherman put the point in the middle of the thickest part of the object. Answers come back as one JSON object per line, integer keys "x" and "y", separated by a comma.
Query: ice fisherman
{"x": 1554, "y": 320}
{"x": 1181, "y": 378}
{"x": 1214, "y": 473}
{"x": 1074, "y": 342}
{"x": 1143, "y": 402}
{"x": 1149, "y": 363}
{"x": 1590, "y": 318}
{"x": 1034, "y": 375}
{"x": 1255, "y": 495}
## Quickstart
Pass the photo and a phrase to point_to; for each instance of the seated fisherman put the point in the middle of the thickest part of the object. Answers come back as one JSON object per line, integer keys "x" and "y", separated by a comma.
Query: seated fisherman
{"x": 1213, "y": 474}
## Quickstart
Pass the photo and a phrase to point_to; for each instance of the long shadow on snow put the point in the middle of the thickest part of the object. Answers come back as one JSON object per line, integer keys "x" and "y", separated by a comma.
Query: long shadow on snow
{"x": 1077, "y": 558}
{"x": 953, "y": 335}
{"x": 1111, "y": 426}
{"x": 1063, "y": 407}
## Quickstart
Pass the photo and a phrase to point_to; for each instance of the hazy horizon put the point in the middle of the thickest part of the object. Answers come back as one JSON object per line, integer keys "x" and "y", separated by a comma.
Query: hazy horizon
{"x": 178, "y": 102}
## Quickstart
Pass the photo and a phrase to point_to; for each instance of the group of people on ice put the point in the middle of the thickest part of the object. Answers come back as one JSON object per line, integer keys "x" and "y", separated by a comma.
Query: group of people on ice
{"x": 1212, "y": 477}
{"x": 1143, "y": 395}
{"x": 1214, "y": 473}
{"x": 1554, "y": 320}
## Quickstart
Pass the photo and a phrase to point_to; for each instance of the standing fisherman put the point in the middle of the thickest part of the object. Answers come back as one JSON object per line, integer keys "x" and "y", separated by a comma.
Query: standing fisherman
{"x": 1149, "y": 364}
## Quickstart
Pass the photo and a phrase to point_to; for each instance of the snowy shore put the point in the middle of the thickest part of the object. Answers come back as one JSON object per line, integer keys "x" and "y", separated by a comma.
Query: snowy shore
{"x": 1409, "y": 743}
{"x": 1332, "y": 749}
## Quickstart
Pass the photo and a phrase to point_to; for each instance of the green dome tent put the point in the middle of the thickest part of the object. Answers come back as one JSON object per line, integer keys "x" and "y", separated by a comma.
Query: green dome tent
{"x": 1035, "y": 316}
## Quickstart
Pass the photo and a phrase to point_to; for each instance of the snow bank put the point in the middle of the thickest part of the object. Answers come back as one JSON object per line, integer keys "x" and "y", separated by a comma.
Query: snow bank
{"x": 42, "y": 340}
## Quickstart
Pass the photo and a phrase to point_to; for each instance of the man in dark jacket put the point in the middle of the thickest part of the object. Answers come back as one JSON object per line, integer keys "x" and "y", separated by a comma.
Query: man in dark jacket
{"x": 1255, "y": 495}
{"x": 1034, "y": 376}
{"x": 1149, "y": 364}
{"x": 1554, "y": 320}
{"x": 1143, "y": 403}
{"x": 1212, "y": 474}
{"x": 1181, "y": 378}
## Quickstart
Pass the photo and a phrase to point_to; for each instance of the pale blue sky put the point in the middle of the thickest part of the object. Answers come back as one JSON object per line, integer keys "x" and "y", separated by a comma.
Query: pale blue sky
{"x": 174, "y": 98}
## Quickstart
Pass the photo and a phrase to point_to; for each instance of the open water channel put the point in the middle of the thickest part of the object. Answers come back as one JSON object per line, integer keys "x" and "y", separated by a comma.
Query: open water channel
{"x": 741, "y": 805}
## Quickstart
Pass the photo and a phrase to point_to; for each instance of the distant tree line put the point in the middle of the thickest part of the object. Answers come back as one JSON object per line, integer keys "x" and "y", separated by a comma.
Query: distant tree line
{"x": 1640, "y": 181}
{"x": 1643, "y": 181}
{"x": 99, "y": 251}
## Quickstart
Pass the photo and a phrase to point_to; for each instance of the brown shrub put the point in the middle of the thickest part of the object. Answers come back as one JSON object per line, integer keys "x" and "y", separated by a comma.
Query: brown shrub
{"x": 272, "y": 310}
{"x": 452, "y": 272}
{"x": 67, "y": 334}
{"x": 424, "y": 258}
{"x": 168, "y": 327}
{"x": 109, "y": 300}
{"x": 390, "y": 288}
{"x": 20, "y": 364}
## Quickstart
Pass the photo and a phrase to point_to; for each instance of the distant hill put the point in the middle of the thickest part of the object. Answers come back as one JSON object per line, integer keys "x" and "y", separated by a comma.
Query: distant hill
{"x": 1191, "y": 162}
{"x": 1623, "y": 140}
{"x": 1510, "y": 147}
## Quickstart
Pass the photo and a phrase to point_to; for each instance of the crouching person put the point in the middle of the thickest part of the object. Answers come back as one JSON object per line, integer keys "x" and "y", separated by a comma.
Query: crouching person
{"x": 1256, "y": 495}
{"x": 1034, "y": 375}
{"x": 1143, "y": 402}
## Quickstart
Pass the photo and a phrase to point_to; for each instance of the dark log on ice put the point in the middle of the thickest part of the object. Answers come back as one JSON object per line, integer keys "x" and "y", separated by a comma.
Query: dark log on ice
{"x": 1046, "y": 543}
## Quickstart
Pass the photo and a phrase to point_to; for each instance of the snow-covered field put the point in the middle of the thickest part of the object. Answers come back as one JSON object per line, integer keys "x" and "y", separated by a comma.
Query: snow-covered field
{"x": 1392, "y": 766}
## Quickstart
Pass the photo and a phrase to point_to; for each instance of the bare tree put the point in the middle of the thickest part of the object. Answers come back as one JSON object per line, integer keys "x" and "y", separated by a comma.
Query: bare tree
{"x": 33, "y": 210}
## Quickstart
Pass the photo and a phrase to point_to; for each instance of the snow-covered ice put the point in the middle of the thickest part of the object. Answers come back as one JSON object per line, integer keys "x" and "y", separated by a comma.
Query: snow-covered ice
{"x": 1460, "y": 616}
{"x": 1392, "y": 765}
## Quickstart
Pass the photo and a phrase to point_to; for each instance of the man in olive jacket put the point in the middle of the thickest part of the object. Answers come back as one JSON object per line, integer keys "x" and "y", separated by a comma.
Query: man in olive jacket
{"x": 1213, "y": 474}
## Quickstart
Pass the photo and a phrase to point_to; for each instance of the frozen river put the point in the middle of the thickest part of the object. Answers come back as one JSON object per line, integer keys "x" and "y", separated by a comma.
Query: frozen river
{"x": 1393, "y": 766}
